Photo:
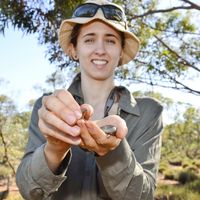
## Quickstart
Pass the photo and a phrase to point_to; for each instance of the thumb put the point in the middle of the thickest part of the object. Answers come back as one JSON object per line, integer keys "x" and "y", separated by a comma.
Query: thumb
{"x": 87, "y": 111}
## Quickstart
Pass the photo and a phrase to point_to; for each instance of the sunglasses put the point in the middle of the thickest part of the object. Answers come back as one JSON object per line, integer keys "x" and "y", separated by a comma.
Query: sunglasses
{"x": 110, "y": 12}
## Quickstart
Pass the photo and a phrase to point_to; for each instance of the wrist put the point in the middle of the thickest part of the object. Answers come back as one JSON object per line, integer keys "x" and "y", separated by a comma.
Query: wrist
{"x": 54, "y": 156}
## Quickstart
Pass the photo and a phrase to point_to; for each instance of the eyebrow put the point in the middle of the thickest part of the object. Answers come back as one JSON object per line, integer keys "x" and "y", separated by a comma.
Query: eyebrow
{"x": 107, "y": 35}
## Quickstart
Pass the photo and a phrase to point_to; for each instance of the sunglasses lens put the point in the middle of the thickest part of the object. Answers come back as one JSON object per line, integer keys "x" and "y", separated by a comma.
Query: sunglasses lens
{"x": 113, "y": 13}
{"x": 85, "y": 10}
{"x": 89, "y": 10}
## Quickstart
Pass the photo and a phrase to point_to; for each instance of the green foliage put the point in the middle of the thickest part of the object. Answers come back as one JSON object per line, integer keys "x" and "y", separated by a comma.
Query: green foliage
{"x": 183, "y": 137}
{"x": 7, "y": 106}
{"x": 5, "y": 171}
{"x": 194, "y": 185}
{"x": 171, "y": 173}
{"x": 163, "y": 167}
{"x": 186, "y": 163}
{"x": 196, "y": 163}
{"x": 176, "y": 192}
{"x": 176, "y": 161}
{"x": 170, "y": 39}
{"x": 13, "y": 135}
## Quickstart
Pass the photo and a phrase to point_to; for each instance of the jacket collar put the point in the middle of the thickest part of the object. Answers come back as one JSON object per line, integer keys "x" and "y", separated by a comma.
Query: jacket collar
{"x": 127, "y": 102}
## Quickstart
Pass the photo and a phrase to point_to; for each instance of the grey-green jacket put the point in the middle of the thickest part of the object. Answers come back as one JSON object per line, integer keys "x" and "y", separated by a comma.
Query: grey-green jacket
{"x": 126, "y": 173}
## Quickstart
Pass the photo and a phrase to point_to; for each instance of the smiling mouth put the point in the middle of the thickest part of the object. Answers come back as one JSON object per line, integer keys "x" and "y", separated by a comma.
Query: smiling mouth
{"x": 99, "y": 62}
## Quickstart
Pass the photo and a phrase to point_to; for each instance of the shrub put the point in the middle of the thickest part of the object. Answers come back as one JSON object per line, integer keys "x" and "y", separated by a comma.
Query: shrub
{"x": 163, "y": 167}
{"x": 192, "y": 168}
{"x": 194, "y": 186}
{"x": 186, "y": 163}
{"x": 175, "y": 192}
{"x": 175, "y": 161}
{"x": 186, "y": 177}
{"x": 169, "y": 174}
{"x": 197, "y": 163}
{"x": 4, "y": 171}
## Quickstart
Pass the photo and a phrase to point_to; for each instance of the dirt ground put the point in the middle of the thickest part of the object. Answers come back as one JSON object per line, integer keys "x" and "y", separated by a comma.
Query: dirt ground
{"x": 12, "y": 186}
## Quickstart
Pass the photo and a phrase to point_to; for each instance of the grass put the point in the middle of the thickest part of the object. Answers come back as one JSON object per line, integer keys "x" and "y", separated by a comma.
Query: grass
{"x": 187, "y": 189}
{"x": 177, "y": 192}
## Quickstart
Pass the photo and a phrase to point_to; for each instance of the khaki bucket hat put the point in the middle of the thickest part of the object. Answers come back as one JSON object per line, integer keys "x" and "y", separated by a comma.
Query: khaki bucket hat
{"x": 132, "y": 43}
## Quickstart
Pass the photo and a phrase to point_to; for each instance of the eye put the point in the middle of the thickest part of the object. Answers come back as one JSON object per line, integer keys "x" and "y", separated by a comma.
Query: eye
{"x": 89, "y": 40}
{"x": 110, "y": 41}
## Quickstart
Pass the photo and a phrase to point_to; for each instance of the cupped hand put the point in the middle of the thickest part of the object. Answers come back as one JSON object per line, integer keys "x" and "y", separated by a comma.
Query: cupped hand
{"x": 94, "y": 139}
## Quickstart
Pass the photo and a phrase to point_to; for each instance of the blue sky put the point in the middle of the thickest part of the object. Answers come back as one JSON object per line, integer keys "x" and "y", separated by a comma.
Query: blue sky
{"x": 23, "y": 65}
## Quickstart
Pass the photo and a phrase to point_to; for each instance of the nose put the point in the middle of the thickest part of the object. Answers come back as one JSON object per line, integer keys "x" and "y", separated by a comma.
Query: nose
{"x": 100, "y": 48}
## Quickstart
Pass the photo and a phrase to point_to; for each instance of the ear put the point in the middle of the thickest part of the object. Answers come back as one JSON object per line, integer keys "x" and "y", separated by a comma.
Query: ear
{"x": 72, "y": 52}
{"x": 121, "y": 54}
{"x": 120, "y": 58}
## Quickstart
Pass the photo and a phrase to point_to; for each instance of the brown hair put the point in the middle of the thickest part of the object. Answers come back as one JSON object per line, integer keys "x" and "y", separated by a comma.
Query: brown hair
{"x": 75, "y": 33}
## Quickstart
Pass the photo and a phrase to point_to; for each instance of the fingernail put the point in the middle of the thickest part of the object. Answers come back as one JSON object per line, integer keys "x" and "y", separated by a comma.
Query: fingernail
{"x": 71, "y": 119}
{"x": 78, "y": 114}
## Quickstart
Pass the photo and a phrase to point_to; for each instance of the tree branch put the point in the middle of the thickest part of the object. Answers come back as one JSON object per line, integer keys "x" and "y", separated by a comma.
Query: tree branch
{"x": 185, "y": 87}
{"x": 6, "y": 157}
{"x": 168, "y": 31}
{"x": 185, "y": 62}
{"x": 192, "y": 4}
{"x": 180, "y": 86}
{"x": 150, "y": 12}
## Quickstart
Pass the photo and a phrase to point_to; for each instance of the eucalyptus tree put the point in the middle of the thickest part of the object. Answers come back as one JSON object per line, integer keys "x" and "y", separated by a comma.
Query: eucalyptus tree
{"x": 169, "y": 33}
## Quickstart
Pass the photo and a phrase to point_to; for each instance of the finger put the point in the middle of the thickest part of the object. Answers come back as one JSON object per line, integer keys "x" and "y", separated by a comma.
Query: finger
{"x": 89, "y": 111}
{"x": 68, "y": 100}
{"x": 87, "y": 140}
{"x": 51, "y": 119}
{"x": 100, "y": 137}
{"x": 55, "y": 105}
{"x": 48, "y": 130}
{"x": 116, "y": 121}
{"x": 97, "y": 134}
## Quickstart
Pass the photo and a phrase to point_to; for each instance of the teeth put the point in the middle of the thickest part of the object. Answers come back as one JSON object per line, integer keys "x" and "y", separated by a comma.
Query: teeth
{"x": 99, "y": 62}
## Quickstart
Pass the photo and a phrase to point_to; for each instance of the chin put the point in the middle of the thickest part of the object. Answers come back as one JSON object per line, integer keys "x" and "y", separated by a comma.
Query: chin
{"x": 102, "y": 77}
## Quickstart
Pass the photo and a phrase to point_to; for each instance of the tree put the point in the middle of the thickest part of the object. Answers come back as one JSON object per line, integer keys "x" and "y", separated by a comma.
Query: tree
{"x": 7, "y": 109}
{"x": 170, "y": 37}
{"x": 56, "y": 80}
{"x": 13, "y": 135}
{"x": 183, "y": 137}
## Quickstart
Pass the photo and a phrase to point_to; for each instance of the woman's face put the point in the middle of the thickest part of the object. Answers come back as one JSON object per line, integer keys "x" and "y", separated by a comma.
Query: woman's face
{"x": 98, "y": 49}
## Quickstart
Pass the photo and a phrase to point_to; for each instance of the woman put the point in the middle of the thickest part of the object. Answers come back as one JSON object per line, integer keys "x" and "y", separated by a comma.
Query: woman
{"x": 69, "y": 155}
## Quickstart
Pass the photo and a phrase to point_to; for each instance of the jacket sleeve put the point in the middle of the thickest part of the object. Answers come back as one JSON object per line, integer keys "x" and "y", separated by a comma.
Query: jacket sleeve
{"x": 34, "y": 179}
{"x": 129, "y": 171}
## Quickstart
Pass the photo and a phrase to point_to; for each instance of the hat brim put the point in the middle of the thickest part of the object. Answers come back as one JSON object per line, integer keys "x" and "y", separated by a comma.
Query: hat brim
{"x": 131, "y": 46}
